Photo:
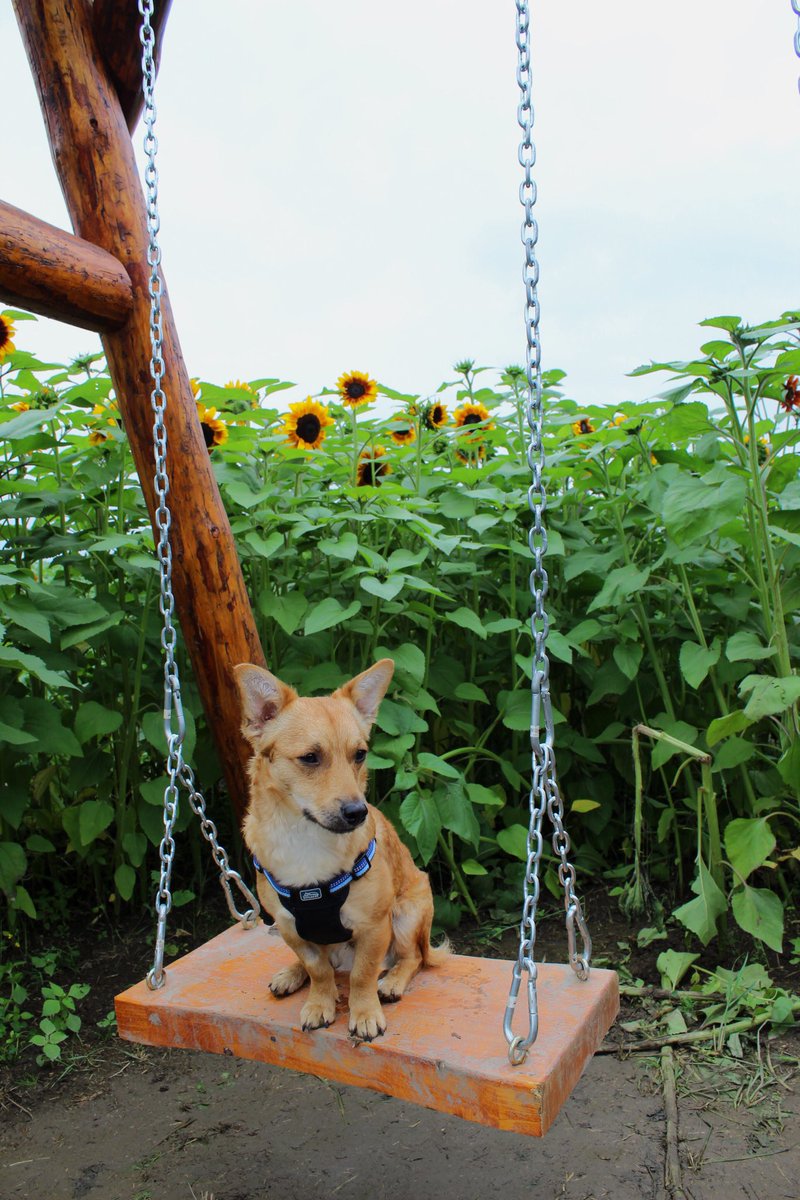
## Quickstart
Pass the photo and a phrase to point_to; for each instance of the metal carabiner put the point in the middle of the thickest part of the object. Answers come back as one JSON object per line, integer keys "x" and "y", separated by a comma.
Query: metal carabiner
{"x": 519, "y": 1046}
{"x": 173, "y": 703}
{"x": 579, "y": 964}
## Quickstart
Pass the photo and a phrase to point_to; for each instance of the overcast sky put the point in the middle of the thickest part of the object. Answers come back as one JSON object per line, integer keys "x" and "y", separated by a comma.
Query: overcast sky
{"x": 339, "y": 183}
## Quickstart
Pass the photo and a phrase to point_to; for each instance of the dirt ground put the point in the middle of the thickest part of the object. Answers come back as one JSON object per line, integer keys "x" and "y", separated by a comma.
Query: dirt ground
{"x": 118, "y": 1121}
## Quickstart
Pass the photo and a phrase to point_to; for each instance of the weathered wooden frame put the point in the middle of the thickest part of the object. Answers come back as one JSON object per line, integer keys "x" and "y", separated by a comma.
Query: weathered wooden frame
{"x": 86, "y": 62}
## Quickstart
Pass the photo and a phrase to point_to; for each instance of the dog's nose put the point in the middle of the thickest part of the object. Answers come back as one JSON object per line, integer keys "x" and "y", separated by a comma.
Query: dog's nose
{"x": 354, "y": 812}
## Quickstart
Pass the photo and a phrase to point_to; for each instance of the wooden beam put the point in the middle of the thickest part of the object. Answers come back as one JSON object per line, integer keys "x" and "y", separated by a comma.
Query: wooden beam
{"x": 94, "y": 159}
{"x": 116, "y": 31}
{"x": 55, "y": 274}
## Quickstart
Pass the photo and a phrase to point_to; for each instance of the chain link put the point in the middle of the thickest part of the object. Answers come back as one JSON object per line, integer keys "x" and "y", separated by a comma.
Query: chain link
{"x": 796, "y": 11}
{"x": 178, "y": 772}
{"x": 544, "y": 796}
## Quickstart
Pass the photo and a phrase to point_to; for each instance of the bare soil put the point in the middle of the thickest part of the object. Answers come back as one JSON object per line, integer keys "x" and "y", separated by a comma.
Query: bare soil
{"x": 121, "y": 1122}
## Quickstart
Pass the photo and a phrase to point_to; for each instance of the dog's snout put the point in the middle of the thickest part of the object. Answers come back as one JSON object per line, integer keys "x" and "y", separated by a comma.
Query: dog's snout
{"x": 354, "y": 812}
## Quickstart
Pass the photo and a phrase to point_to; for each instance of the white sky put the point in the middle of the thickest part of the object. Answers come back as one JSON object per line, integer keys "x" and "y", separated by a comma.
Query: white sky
{"x": 339, "y": 183}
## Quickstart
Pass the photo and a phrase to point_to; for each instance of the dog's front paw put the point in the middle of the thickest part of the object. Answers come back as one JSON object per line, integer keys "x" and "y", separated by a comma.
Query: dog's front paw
{"x": 317, "y": 1015}
{"x": 367, "y": 1022}
{"x": 288, "y": 979}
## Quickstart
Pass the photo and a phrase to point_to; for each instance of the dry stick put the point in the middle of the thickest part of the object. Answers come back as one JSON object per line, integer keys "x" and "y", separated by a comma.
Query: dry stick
{"x": 673, "y": 1181}
{"x": 650, "y": 991}
{"x": 694, "y": 1035}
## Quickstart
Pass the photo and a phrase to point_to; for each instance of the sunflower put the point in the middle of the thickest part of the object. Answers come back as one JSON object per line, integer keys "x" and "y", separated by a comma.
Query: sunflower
{"x": 215, "y": 431}
{"x": 791, "y": 396}
{"x": 472, "y": 414}
{"x": 762, "y": 448}
{"x": 305, "y": 422}
{"x": 583, "y": 426}
{"x": 356, "y": 388}
{"x": 96, "y": 438}
{"x": 110, "y": 411}
{"x": 404, "y": 433}
{"x": 619, "y": 419}
{"x": 21, "y": 406}
{"x": 7, "y": 333}
{"x": 370, "y": 470}
{"x": 194, "y": 384}
{"x": 434, "y": 416}
{"x": 472, "y": 457}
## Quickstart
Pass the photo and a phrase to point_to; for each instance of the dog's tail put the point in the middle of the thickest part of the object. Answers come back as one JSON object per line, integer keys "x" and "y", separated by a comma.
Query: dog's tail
{"x": 434, "y": 956}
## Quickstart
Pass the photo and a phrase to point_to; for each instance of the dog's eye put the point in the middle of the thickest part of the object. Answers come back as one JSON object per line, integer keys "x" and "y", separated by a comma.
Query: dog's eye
{"x": 310, "y": 760}
{"x": 360, "y": 755}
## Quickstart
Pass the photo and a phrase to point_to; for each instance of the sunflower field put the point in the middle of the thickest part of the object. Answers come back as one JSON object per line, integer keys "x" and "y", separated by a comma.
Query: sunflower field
{"x": 371, "y": 523}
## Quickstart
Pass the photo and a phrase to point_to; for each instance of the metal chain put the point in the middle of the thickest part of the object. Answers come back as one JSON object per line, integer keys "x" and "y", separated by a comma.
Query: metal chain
{"x": 178, "y": 771}
{"x": 796, "y": 11}
{"x": 544, "y": 794}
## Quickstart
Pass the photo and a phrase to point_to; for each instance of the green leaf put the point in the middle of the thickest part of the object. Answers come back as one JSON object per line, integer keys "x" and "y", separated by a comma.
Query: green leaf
{"x": 696, "y": 661}
{"x": 397, "y": 719}
{"x": 514, "y": 840}
{"x": 27, "y": 422}
{"x": 663, "y": 751}
{"x": 456, "y": 812}
{"x": 327, "y": 613}
{"x": 471, "y": 691}
{"x": 135, "y": 846}
{"x": 13, "y": 865}
{"x": 94, "y": 817}
{"x": 723, "y": 727}
{"x": 407, "y": 657}
{"x": 759, "y": 913}
{"x": 39, "y": 845}
{"x": 479, "y": 794}
{"x": 21, "y": 612}
{"x": 733, "y": 753}
{"x": 695, "y": 506}
{"x": 584, "y": 806}
{"x": 23, "y": 902}
{"x": 746, "y": 645}
{"x": 701, "y": 914}
{"x": 789, "y": 766}
{"x": 627, "y": 656}
{"x": 43, "y": 720}
{"x": 437, "y": 766}
{"x": 620, "y": 584}
{"x": 287, "y": 610}
{"x": 385, "y": 589}
{"x": 264, "y": 547}
{"x": 125, "y": 881}
{"x": 749, "y": 841}
{"x": 769, "y": 696}
{"x": 516, "y": 709}
{"x": 470, "y": 867}
{"x": 420, "y": 816}
{"x": 672, "y": 966}
{"x": 85, "y": 633}
{"x": 93, "y": 720}
{"x": 465, "y": 618}
{"x": 731, "y": 324}
{"x": 10, "y": 656}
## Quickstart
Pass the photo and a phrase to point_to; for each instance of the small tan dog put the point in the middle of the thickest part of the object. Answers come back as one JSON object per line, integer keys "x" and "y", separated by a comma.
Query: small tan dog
{"x": 333, "y": 874}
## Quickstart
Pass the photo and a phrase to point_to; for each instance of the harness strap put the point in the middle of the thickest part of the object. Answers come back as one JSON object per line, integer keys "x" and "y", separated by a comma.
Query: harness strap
{"x": 316, "y": 906}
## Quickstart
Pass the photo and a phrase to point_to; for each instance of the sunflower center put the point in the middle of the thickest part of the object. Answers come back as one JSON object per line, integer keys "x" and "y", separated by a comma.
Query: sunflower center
{"x": 355, "y": 389}
{"x": 472, "y": 419}
{"x": 437, "y": 414}
{"x": 585, "y": 427}
{"x": 5, "y": 336}
{"x": 208, "y": 435}
{"x": 308, "y": 427}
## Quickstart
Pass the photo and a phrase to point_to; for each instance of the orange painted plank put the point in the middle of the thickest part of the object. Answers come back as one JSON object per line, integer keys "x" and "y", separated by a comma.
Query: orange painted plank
{"x": 443, "y": 1048}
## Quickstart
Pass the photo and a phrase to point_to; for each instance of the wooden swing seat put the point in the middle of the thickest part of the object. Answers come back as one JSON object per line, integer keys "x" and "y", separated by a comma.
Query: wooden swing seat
{"x": 444, "y": 1047}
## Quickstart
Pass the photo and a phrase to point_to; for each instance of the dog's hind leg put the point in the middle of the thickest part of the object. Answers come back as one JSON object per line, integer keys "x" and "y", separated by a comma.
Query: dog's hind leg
{"x": 411, "y": 932}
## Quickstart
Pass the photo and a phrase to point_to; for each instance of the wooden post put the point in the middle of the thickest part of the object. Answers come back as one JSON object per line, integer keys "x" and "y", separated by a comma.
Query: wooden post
{"x": 116, "y": 25}
{"x": 94, "y": 159}
{"x": 56, "y": 274}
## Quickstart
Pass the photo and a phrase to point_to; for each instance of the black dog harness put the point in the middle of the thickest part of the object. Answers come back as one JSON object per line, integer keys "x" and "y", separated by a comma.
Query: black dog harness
{"x": 316, "y": 906}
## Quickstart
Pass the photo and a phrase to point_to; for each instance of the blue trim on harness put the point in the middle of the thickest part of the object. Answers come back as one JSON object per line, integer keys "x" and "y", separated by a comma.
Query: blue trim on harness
{"x": 316, "y": 906}
{"x": 360, "y": 867}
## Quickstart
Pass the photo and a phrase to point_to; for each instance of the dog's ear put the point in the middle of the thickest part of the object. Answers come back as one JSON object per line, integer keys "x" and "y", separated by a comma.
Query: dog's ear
{"x": 368, "y": 689}
{"x": 263, "y": 697}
